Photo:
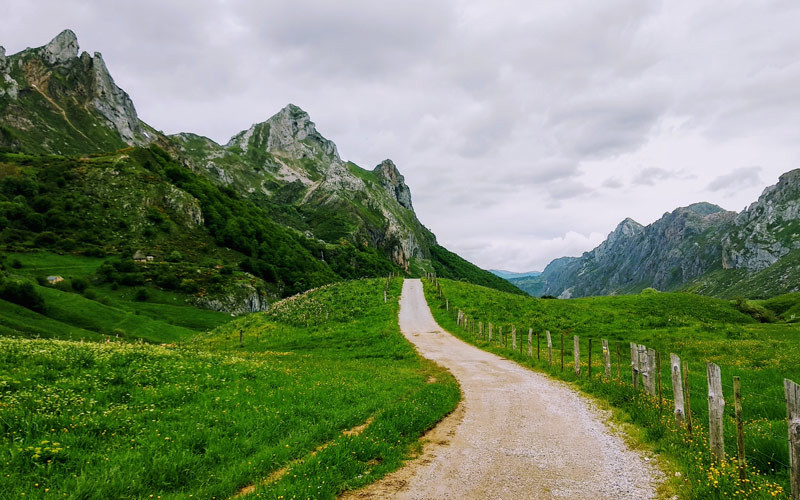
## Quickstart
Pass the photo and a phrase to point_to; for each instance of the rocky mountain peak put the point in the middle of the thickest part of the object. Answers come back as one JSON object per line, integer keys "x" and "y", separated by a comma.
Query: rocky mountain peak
{"x": 394, "y": 183}
{"x": 768, "y": 229}
{"x": 62, "y": 48}
{"x": 291, "y": 133}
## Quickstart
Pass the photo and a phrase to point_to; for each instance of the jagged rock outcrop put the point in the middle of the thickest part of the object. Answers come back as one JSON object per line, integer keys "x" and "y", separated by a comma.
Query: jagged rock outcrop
{"x": 58, "y": 101}
{"x": 62, "y": 48}
{"x": 768, "y": 229}
{"x": 289, "y": 133}
{"x": 242, "y": 298}
{"x": 394, "y": 183}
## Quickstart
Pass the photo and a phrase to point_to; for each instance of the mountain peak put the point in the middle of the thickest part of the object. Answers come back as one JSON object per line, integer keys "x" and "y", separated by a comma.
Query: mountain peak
{"x": 62, "y": 48}
{"x": 289, "y": 132}
{"x": 703, "y": 208}
{"x": 394, "y": 183}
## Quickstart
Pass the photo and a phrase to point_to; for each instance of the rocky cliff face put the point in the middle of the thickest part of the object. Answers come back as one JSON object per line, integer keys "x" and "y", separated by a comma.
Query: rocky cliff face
{"x": 680, "y": 246}
{"x": 54, "y": 100}
{"x": 768, "y": 229}
{"x": 693, "y": 244}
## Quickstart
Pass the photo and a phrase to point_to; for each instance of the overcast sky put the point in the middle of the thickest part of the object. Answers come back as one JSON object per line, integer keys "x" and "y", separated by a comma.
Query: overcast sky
{"x": 525, "y": 130}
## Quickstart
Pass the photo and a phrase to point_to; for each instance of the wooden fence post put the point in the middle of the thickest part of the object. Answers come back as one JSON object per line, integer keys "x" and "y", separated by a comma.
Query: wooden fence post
{"x": 619, "y": 362}
{"x": 562, "y": 351}
{"x": 606, "y": 359}
{"x": 650, "y": 360}
{"x": 241, "y": 337}
{"x": 480, "y": 329}
{"x": 589, "y": 370}
{"x": 688, "y": 398}
{"x": 716, "y": 410}
{"x": 538, "y": 346}
{"x": 513, "y": 337}
{"x": 677, "y": 389}
{"x": 658, "y": 374}
{"x": 793, "y": 414}
{"x": 530, "y": 342}
{"x": 447, "y": 304}
{"x": 384, "y": 296}
{"x": 737, "y": 401}
{"x": 576, "y": 354}
{"x": 549, "y": 348}
{"x": 500, "y": 335}
{"x": 490, "y": 333}
{"x": 635, "y": 364}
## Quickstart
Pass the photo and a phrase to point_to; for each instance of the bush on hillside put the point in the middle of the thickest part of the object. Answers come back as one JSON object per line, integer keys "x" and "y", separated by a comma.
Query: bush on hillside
{"x": 22, "y": 293}
{"x": 757, "y": 311}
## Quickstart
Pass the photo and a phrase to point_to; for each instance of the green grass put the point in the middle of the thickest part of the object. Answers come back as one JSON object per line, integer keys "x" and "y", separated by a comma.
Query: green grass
{"x": 699, "y": 329}
{"x": 47, "y": 263}
{"x": 121, "y": 420}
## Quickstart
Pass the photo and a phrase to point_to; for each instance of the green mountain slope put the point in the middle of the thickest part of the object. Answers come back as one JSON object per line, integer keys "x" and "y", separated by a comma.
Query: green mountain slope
{"x": 81, "y": 174}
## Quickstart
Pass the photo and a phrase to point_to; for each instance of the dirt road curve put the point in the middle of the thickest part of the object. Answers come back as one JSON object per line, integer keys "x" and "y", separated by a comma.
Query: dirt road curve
{"x": 517, "y": 433}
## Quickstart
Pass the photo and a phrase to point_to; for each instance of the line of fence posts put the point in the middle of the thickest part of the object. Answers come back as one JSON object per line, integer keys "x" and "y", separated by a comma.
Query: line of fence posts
{"x": 646, "y": 374}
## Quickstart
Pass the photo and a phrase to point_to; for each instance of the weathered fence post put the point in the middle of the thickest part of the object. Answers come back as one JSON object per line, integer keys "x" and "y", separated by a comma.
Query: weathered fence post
{"x": 677, "y": 389}
{"x": 737, "y": 401}
{"x": 549, "y": 348}
{"x": 513, "y": 337}
{"x": 530, "y": 342}
{"x": 658, "y": 374}
{"x": 589, "y": 370}
{"x": 241, "y": 337}
{"x": 606, "y": 359}
{"x": 538, "y": 346}
{"x": 500, "y": 335}
{"x": 716, "y": 410}
{"x": 688, "y": 398}
{"x": 562, "y": 351}
{"x": 793, "y": 414}
{"x": 447, "y": 304}
{"x": 576, "y": 354}
{"x": 480, "y": 329}
{"x": 619, "y": 362}
{"x": 490, "y": 332}
{"x": 384, "y": 296}
{"x": 650, "y": 360}
{"x": 635, "y": 364}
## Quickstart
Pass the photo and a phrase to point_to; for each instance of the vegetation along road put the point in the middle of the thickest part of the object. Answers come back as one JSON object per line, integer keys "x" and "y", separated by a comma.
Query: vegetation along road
{"x": 517, "y": 434}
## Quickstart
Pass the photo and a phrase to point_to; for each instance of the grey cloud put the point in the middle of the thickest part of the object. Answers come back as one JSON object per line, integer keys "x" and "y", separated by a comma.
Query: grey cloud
{"x": 502, "y": 116}
{"x": 743, "y": 176}
{"x": 652, "y": 175}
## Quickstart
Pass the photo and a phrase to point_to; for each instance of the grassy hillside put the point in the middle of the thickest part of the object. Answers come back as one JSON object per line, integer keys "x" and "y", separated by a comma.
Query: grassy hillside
{"x": 206, "y": 420}
{"x": 446, "y": 264}
{"x": 699, "y": 329}
{"x": 779, "y": 278}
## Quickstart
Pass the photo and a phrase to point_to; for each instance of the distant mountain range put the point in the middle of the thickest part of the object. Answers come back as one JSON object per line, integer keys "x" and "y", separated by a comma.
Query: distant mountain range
{"x": 277, "y": 200}
{"x": 510, "y": 274}
{"x": 700, "y": 248}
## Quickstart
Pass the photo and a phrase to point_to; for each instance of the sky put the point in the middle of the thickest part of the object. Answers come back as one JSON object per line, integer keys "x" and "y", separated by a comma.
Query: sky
{"x": 526, "y": 131}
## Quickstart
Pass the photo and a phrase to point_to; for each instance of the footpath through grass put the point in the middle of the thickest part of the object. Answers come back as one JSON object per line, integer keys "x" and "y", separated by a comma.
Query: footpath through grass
{"x": 698, "y": 329}
{"x": 211, "y": 419}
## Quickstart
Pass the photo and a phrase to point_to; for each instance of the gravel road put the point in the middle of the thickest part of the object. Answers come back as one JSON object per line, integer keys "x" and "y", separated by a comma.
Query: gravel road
{"x": 516, "y": 434}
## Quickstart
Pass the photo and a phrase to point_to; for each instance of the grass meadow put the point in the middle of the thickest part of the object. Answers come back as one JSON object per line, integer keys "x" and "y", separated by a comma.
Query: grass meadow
{"x": 699, "y": 329}
{"x": 213, "y": 418}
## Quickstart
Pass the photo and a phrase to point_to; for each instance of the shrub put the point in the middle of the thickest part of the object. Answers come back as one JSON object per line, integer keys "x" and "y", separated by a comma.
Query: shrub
{"x": 79, "y": 284}
{"x": 174, "y": 256}
{"x": 22, "y": 293}
{"x": 141, "y": 295}
{"x": 757, "y": 311}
